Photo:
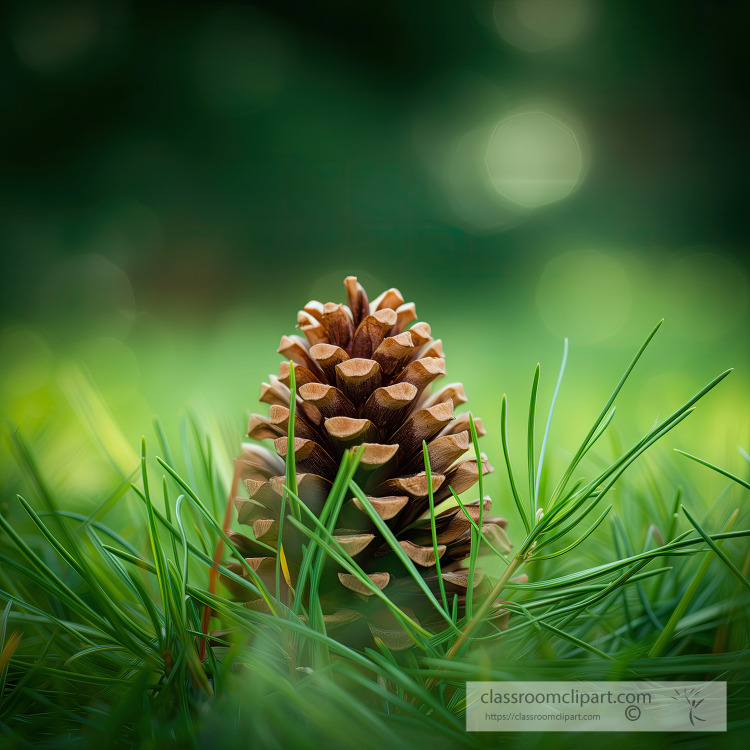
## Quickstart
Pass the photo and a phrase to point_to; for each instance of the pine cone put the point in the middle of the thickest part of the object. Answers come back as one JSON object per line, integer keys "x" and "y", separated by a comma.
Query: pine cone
{"x": 363, "y": 377}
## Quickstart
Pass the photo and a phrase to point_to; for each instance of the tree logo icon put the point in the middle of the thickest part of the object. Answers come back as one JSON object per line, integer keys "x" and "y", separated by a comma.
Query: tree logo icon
{"x": 691, "y": 699}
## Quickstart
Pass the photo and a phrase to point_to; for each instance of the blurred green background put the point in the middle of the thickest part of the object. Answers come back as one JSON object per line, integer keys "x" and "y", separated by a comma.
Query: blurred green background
{"x": 179, "y": 178}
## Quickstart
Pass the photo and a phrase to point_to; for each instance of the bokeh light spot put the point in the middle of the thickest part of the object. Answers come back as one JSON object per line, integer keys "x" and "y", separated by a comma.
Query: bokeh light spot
{"x": 469, "y": 190}
{"x": 452, "y": 128}
{"x": 534, "y": 159}
{"x": 538, "y": 25}
{"x": 585, "y": 295}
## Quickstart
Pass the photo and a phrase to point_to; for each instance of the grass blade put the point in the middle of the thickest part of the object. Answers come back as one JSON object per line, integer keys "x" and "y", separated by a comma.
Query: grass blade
{"x": 509, "y": 468}
{"x": 428, "y": 474}
{"x": 717, "y": 469}
{"x": 549, "y": 422}
{"x": 291, "y": 466}
{"x": 715, "y": 547}
{"x": 530, "y": 442}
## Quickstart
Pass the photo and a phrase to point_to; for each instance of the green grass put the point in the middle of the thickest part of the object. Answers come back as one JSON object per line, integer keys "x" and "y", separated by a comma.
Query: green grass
{"x": 106, "y": 613}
